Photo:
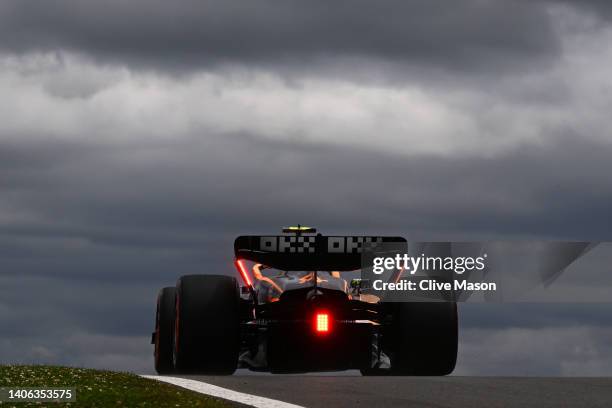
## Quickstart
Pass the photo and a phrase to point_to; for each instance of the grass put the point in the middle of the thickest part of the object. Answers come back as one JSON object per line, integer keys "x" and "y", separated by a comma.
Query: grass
{"x": 95, "y": 388}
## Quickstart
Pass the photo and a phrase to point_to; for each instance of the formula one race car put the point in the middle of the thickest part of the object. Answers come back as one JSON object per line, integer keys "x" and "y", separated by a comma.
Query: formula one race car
{"x": 294, "y": 309}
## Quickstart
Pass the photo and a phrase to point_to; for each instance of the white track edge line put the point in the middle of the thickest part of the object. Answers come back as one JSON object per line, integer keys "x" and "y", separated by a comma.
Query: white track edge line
{"x": 216, "y": 391}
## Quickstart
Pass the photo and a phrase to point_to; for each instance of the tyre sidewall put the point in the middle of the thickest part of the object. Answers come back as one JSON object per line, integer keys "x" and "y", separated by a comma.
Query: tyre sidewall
{"x": 207, "y": 328}
{"x": 164, "y": 330}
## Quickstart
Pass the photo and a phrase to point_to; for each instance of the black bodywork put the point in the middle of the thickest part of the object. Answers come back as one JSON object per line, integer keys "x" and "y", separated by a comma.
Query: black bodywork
{"x": 311, "y": 276}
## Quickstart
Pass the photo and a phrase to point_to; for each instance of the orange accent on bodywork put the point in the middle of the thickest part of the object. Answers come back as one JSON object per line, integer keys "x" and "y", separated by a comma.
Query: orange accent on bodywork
{"x": 258, "y": 275}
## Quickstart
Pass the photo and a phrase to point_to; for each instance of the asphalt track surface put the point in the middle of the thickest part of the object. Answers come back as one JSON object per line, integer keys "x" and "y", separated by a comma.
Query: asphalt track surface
{"x": 473, "y": 392}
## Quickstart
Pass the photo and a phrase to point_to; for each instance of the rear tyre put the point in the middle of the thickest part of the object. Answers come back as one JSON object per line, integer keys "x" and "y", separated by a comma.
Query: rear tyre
{"x": 164, "y": 330}
{"x": 207, "y": 328}
{"x": 426, "y": 336}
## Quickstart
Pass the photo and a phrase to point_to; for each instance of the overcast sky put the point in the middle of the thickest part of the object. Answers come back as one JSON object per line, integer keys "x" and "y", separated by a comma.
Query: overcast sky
{"x": 137, "y": 139}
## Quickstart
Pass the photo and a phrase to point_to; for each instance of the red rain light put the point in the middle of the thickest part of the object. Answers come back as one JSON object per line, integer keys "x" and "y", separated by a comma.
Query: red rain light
{"x": 243, "y": 272}
{"x": 321, "y": 322}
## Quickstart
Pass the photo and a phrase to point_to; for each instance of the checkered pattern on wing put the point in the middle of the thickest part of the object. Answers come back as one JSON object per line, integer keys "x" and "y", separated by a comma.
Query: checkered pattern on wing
{"x": 358, "y": 244}
{"x": 299, "y": 244}
{"x": 354, "y": 244}
{"x": 371, "y": 242}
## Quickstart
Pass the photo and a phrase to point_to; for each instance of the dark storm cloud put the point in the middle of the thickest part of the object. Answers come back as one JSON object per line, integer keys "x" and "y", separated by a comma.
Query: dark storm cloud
{"x": 462, "y": 35}
{"x": 183, "y": 193}
{"x": 597, "y": 8}
{"x": 183, "y": 197}
{"x": 534, "y": 315}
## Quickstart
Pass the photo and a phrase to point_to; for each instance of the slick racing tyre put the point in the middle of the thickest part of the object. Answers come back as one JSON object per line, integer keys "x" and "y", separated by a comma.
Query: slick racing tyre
{"x": 164, "y": 330}
{"x": 207, "y": 328}
{"x": 425, "y": 338}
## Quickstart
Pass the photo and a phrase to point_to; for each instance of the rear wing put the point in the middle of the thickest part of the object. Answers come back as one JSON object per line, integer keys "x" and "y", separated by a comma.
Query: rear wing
{"x": 303, "y": 252}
